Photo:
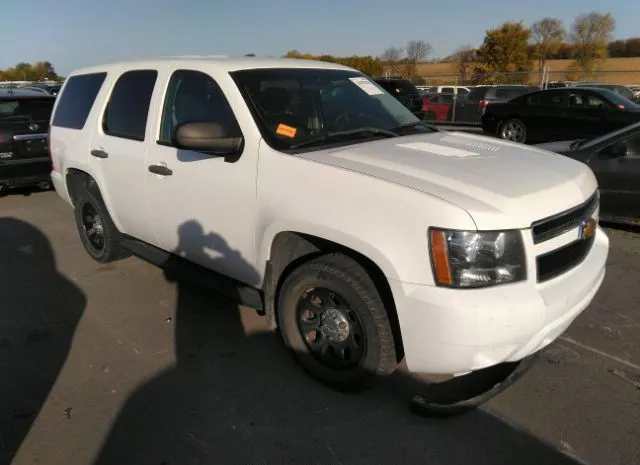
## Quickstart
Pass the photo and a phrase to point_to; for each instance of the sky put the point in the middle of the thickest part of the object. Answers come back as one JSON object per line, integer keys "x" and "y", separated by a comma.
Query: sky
{"x": 76, "y": 33}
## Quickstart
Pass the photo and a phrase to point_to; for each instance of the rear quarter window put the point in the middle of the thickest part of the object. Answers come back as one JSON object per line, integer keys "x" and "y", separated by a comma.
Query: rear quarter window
{"x": 77, "y": 99}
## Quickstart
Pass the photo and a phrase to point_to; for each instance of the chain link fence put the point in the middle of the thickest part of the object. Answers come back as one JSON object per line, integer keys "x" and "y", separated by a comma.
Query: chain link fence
{"x": 452, "y": 98}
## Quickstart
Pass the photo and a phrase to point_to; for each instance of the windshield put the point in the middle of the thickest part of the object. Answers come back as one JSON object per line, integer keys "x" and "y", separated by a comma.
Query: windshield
{"x": 621, "y": 90}
{"x": 314, "y": 108}
{"x": 618, "y": 99}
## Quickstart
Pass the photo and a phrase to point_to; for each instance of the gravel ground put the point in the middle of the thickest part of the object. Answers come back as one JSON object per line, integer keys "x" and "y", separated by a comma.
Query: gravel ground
{"x": 113, "y": 364}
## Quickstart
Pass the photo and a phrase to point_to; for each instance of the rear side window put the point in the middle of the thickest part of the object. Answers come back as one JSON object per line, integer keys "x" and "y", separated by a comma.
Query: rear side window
{"x": 552, "y": 98}
{"x": 77, "y": 99}
{"x": 128, "y": 108}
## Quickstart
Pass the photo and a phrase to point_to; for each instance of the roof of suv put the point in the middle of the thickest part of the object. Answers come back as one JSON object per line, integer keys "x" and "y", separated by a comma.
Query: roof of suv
{"x": 223, "y": 63}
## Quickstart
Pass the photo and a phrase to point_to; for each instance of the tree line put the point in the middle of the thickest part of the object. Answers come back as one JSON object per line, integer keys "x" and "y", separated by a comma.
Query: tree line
{"x": 509, "y": 48}
{"x": 39, "y": 71}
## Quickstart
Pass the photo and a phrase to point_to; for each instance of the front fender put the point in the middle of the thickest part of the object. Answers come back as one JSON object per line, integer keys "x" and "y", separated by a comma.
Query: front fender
{"x": 325, "y": 232}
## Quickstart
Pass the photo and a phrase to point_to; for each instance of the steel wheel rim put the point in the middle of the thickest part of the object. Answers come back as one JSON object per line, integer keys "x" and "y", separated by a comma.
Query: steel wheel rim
{"x": 93, "y": 227}
{"x": 513, "y": 131}
{"x": 330, "y": 328}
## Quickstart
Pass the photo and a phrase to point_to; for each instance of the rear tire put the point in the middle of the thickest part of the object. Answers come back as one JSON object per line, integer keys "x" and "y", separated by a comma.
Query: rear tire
{"x": 333, "y": 319}
{"x": 513, "y": 130}
{"x": 100, "y": 237}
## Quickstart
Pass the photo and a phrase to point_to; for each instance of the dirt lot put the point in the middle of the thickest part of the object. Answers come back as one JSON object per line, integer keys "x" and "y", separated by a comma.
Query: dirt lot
{"x": 113, "y": 364}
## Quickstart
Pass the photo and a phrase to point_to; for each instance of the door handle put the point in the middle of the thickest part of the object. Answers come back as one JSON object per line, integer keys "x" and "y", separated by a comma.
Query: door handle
{"x": 161, "y": 170}
{"x": 99, "y": 153}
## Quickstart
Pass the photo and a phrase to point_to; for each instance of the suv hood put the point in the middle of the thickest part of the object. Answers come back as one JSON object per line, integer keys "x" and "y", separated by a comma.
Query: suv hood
{"x": 500, "y": 184}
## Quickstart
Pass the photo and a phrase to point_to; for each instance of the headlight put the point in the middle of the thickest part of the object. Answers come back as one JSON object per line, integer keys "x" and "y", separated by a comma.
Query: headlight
{"x": 468, "y": 259}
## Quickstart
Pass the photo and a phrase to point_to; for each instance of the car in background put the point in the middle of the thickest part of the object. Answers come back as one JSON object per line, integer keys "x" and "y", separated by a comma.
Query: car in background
{"x": 460, "y": 91}
{"x": 24, "y": 150}
{"x": 559, "y": 114}
{"x": 437, "y": 107}
{"x": 38, "y": 89}
{"x": 405, "y": 92}
{"x": 471, "y": 108}
{"x": 614, "y": 158}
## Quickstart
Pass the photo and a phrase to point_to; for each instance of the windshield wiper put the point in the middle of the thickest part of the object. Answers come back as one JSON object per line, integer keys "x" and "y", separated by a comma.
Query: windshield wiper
{"x": 350, "y": 132}
{"x": 414, "y": 125}
{"x": 577, "y": 143}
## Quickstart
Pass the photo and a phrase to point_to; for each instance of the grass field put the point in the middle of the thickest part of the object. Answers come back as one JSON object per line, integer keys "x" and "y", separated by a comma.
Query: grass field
{"x": 614, "y": 70}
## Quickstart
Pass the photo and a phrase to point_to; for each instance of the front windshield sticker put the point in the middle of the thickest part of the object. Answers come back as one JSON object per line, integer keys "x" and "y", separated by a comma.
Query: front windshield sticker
{"x": 366, "y": 85}
{"x": 286, "y": 131}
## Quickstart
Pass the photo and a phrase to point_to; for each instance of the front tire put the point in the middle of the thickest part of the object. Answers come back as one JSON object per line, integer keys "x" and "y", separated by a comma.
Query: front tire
{"x": 333, "y": 319}
{"x": 99, "y": 236}
{"x": 513, "y": 130}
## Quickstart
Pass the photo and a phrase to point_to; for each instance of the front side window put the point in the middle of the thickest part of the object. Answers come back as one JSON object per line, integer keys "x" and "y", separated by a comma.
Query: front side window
{"x": 128, "y": 108}
{"x": 316, "y": 107}
{"x": 194, "y": 96}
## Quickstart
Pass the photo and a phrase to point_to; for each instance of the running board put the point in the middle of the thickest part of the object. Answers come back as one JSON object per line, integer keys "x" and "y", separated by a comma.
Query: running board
{"x": 194, "y": 273}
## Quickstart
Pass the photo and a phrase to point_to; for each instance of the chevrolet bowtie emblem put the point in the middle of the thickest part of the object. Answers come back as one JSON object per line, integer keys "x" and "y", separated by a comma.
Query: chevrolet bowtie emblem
{"x": 587, "y": 228}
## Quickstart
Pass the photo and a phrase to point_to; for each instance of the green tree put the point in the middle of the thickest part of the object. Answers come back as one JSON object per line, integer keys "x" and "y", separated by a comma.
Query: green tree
{"x": 505, "y": 50}
{"x": 590, "y": 35}
{"x": 548, "y": 35}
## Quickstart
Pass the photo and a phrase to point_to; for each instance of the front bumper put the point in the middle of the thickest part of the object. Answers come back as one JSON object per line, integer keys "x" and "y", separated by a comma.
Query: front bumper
{"x": 28, "y": 172}
{"x": 450, "y": 331}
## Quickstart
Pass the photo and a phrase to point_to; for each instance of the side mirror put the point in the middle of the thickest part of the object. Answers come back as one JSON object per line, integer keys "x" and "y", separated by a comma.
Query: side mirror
{"x": 205, "y": 136}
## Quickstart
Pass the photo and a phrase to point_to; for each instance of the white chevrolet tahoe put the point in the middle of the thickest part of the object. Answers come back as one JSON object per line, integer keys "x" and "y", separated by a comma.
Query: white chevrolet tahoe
{"x": 306, "y": 191}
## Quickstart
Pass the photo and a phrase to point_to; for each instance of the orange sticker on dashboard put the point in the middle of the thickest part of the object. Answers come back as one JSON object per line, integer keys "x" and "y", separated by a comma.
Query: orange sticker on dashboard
{"x": 287, "y": 131}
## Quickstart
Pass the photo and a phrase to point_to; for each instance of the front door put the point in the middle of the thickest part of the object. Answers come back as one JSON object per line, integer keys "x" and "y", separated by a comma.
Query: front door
{"x": 617, "y": 168}
{"x": 202, "y": 206}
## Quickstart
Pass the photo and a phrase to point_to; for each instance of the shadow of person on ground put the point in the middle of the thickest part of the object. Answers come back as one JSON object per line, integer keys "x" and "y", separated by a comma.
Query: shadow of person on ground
{"x": 39, "y": 311}
{"x": 236, "y": 396}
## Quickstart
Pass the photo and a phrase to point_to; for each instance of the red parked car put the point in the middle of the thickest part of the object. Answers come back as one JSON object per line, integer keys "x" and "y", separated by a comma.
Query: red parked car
{"x": 436, "y": 107}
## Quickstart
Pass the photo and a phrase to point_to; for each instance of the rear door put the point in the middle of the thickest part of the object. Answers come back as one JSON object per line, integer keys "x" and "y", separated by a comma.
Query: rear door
{"x": 543, "y": 115}
{"x": 24, "y": 124}
{"x": 586, "y": 114}
{"x": 441, "y": 106}
{"x": 118, "y": 149}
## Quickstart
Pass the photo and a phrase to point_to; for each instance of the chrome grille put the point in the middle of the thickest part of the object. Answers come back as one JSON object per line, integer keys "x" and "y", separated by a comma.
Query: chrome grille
{"x": 553, "y": 226}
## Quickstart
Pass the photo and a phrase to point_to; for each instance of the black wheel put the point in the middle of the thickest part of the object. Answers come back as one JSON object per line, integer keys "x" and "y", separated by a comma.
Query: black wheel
{"x": 332, "y": 317}
{"x": 100, "y": 237}
{"x": 513, "y": 130}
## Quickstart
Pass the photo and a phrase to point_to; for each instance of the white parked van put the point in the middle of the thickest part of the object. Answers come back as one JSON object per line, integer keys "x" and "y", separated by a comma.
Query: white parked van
{"x": 305, "y": 190}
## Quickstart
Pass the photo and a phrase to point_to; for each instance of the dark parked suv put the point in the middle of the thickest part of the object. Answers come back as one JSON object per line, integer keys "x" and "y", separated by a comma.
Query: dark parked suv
{"x": 24, "y": 150}
{"x": 405, "y": 92}
{"x": 471, "y": 109}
